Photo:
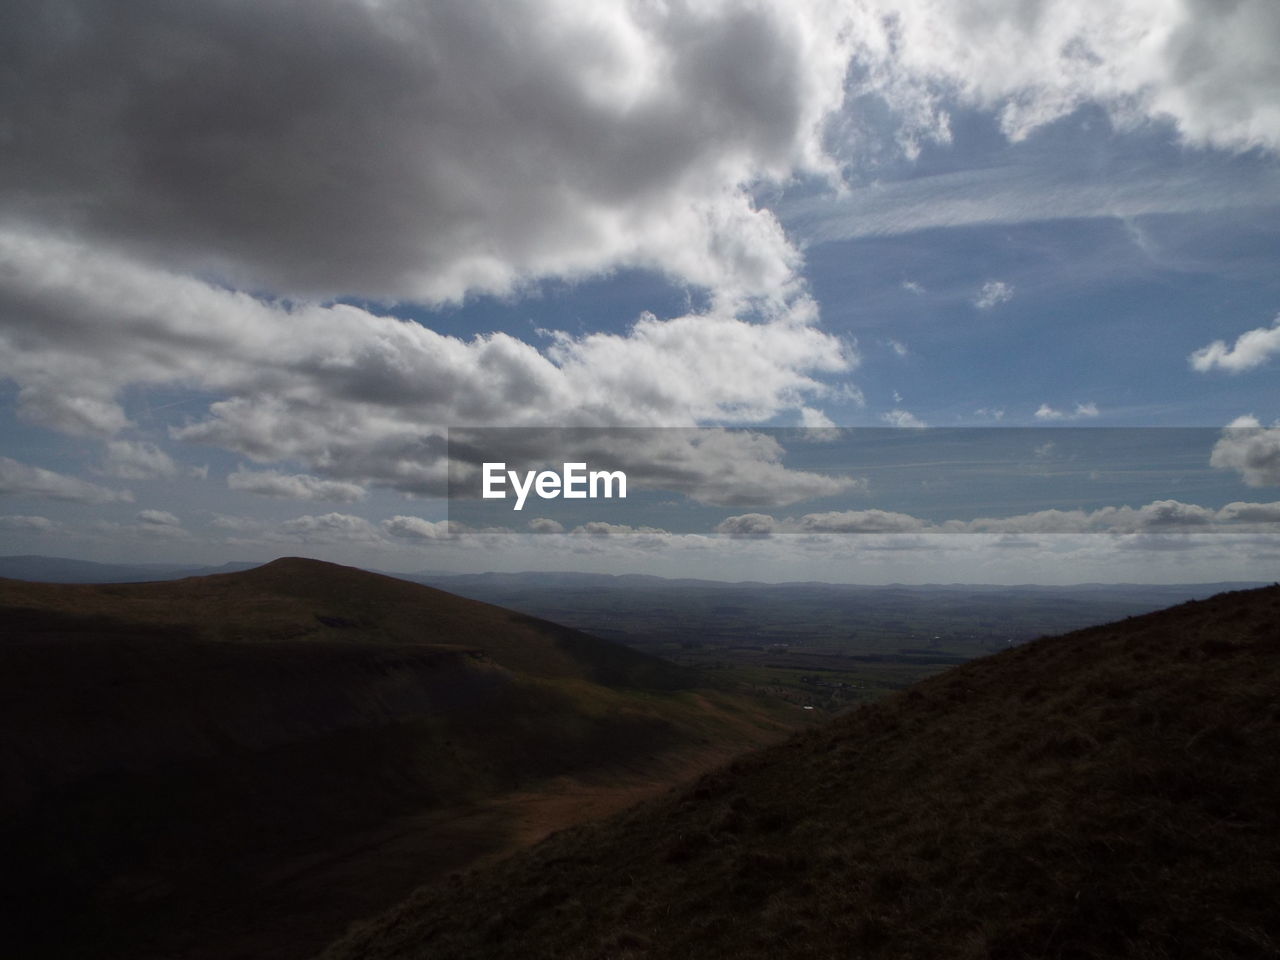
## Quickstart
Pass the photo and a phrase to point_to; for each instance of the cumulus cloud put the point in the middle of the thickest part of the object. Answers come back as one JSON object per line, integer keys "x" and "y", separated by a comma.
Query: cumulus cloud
{"x": 747, "y": 525}
{"x": 1251, "y": 450}
{"x": 1081, "y": 412}
{"x": 1155, "y": 517}
{"x": 601, "y": 528}
{"x": 993, "y": 292}
{"x": 148, "y": 525}
{"x": 1251, "y": 349}
{"x": 136, "y": 460}
{"x": 296, "y": 486}
{"x": 422, "y": 151}
{"x": 415, "y": 528}
{"x": 158, "y": 518}
{"x": 860, "y": 521}
{"x": 545, "y": 525}
{"x": 22, "y": 479}
{"x": 1250, "y": 512}
{"x": 1206, "y": 67}
{"x": 329, "y": 528}
{"x": 902, "y": 418}
{"x": 362, "y": 397}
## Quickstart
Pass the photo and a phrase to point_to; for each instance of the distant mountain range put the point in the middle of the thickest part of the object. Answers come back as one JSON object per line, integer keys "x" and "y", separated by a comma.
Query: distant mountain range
{"x": 66, "y": 570}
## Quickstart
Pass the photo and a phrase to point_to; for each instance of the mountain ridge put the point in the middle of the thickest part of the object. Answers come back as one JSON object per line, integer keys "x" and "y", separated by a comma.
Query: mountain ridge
{"x": 1108, "y": 792}
{"x": 178, "y": 758}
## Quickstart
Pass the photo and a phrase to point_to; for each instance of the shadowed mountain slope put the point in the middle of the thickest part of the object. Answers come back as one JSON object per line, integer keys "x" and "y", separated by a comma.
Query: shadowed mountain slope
{"x": 239, "y": 765}
{"x": 1113, "y": 792}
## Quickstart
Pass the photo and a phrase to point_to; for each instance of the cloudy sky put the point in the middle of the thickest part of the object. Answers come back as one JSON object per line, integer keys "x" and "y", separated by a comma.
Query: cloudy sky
{"x": 256, "y": 259}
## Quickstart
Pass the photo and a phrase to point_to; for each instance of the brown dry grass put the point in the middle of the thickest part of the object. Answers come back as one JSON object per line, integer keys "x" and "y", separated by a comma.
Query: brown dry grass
{"x": 1109, "y": 793}
{"x": 240, "y": 765}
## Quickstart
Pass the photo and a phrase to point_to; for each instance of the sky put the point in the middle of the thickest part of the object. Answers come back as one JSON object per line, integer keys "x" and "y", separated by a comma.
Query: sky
{"x": 258, "y": 260}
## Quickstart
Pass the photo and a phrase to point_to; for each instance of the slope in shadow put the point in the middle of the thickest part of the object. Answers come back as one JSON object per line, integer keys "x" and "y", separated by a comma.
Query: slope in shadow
{"x": 1106, "y": 793}
{"x": 182, "y": 761}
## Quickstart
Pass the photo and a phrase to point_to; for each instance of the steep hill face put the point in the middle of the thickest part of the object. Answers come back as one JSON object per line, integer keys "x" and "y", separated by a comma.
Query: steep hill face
{"x": 240, "y": 764}
{"x": 1107, "y": 793}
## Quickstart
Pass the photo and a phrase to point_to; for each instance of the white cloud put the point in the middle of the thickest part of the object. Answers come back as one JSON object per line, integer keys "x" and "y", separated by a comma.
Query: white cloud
{"x": 1251, "y": 349}
{"x": 1081, "y": 412}
{"x": 1250, "y": 449}
{"x": 898, "y": 347}
{"x": 748, "y": 525}
{"x": 993, "y": 292}
{"x": 424, "y": 151}
{"x": 329, "y": 528}
{"x": 158, "y": 518}
{"x": 48, "y": 404}
{"x": 545, "y": 525}
{"x": 27, "y": 523}
{"x": 363, "y": 398}
{"x": 296, "y": 486}
{"x": 152, "y": 525}
{"x": 601, "y": 528}
{"x": 136, "y": 460}
{"x": 1250, "y": 512}
{"x": 415, "y": 528}
{"x": 1157, "y": 516}
{"x": 1207, "y": 67}
{"x": 1024, "y": 193}
{"x": 860, "y": 521}
{"x": 902, "y": 418}
{"x": 21, "y": 479}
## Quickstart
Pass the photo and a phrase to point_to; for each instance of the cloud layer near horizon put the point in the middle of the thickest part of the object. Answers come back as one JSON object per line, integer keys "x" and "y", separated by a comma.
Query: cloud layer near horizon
{"x": 356, "y": 395}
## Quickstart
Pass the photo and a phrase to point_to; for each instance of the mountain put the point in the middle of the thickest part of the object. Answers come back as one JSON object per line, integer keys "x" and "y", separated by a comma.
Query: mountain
{"x": 1111, "y": 792}
{"x": 67, "y": 570}
{"x": 239, "y": 765}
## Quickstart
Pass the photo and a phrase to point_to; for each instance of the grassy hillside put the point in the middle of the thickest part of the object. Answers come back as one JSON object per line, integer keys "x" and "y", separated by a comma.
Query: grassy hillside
{"x": 1106, "y": 793}
{"x": 241, "y": 764}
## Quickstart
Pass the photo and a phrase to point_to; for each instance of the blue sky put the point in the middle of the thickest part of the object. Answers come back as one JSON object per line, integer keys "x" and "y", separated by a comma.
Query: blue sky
{"x": 248, "y": 281}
